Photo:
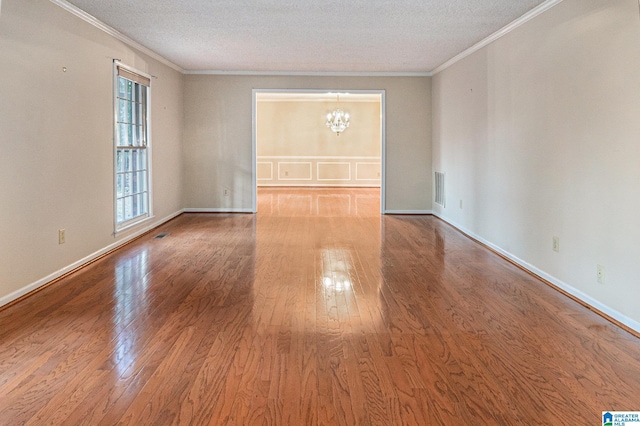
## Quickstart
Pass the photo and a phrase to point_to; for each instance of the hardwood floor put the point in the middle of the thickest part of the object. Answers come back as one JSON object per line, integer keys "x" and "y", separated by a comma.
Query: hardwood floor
{"x": 315, "y": 311}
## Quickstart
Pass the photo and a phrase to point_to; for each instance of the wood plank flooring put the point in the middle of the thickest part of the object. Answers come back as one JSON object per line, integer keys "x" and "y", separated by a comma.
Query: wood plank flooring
{"x": 315, "y": 311}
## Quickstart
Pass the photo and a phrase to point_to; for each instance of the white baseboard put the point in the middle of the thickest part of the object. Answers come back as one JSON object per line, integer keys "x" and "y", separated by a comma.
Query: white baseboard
{"x": 33, "y": 286}
{"x": 623, "y": 319}
{"x": 217, "y": 210}
{"x": 418, "y": 212}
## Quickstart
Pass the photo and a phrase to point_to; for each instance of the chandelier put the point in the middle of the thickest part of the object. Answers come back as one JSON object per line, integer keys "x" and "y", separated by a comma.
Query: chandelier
{"x": 338, "y": 120}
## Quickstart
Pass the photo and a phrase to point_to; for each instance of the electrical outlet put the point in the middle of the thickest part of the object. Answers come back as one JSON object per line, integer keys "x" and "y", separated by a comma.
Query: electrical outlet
{"x": 600, "y": 274}
{"x": 61, "y": 236}
{"x": 460, "y": 203}
{"x": 556, "y": 244}
{"x": 286, "y": 173}
{"x": 226, "y": 192}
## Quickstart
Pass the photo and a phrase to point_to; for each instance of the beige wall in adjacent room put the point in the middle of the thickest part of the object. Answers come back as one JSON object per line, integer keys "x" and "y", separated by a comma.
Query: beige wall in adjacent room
{"x": 539, "y": 136}
{"x": 298, "y": 129}
{"x": 294, "y": 133}
{"x": 56, "y": 147}
{"x": 218, "y": 136}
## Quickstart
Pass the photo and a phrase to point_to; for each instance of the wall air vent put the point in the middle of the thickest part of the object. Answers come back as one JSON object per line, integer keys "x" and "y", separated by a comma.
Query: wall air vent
{"x": 439, "y": 192}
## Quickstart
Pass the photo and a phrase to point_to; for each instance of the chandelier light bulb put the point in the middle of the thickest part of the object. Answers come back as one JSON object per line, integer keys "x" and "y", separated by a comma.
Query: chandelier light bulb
{"x": 338, "y": 120}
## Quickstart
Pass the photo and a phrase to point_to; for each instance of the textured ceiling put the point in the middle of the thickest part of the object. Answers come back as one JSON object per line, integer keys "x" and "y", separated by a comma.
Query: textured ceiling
{"x": 307, "y": 36}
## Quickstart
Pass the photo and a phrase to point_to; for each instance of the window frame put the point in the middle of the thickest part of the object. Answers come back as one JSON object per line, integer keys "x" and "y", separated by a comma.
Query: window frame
{"x": 126, "y": 224}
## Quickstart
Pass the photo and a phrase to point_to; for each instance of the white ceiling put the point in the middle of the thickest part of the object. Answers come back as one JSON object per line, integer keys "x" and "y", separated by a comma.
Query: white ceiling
{"x": 400, "y": 36}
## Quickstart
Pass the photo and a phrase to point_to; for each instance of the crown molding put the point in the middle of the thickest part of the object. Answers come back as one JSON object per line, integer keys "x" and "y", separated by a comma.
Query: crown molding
{"x": 113, "y": 32}
{"x": 538, "y": 10}
{"x": 125, "y": 39}
{"x": 310, "y": 73}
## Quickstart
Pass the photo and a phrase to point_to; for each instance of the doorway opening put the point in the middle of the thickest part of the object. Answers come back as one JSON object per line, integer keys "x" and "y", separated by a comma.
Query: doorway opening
{"x": 293, "y": 146}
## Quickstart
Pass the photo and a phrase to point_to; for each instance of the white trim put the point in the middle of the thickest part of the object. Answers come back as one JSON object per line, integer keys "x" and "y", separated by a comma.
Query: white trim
{"x": 538, "y": 10}
{"x": 218, "y": 210}
{"x": 340, "y": 160}
{"x": 383, "y": 151}
{"x": 623, "y": 319}
{"x": 254, "y": 153}
{"x": 35, "y": 285}
{"x": 416, "y": 212}
{"x": 137, "y": 221}
{"x": 149, "y": 147}
{"x": 310, "y": 74}
{"x": 319, "y": 163}
{"x": 114, "y": 142}
{"x": 74, "y": 10}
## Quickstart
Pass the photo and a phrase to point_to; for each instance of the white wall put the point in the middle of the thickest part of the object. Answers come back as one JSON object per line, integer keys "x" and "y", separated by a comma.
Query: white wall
{"x": 218, "y": 132}
{"x": 539, "y": 135}
{"x": 56, "y": 149}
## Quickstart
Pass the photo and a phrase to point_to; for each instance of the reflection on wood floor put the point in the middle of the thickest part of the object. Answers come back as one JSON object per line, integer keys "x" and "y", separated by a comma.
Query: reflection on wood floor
{"x": 319, "y": 202}
{"x": 315, "y": 311}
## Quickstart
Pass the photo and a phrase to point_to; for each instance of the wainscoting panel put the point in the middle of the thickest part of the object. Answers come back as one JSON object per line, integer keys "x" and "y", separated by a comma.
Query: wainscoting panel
{"x": 333, "y": 170}
{"x": 318, "y": 171}
{"x": 264, "y": 170}
{"x": 368, "y": 171}
{"x": 294, "y": 170}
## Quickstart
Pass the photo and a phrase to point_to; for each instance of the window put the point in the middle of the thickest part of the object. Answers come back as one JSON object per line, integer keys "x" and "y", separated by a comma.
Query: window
{"x": 132, "y": 156}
